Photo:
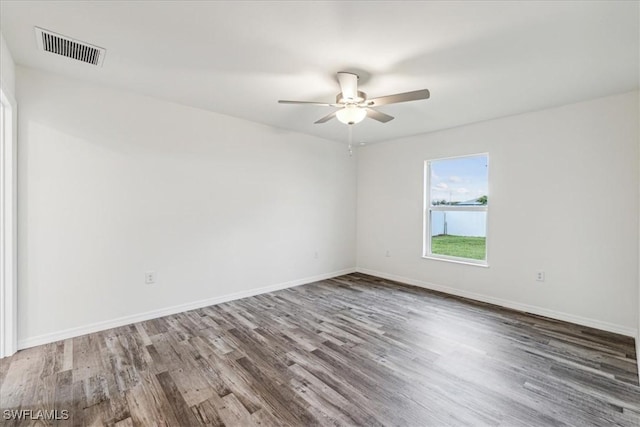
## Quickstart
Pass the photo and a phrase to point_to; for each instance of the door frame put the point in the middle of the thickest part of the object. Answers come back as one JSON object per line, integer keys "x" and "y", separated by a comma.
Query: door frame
{"x": 8, "y": 225}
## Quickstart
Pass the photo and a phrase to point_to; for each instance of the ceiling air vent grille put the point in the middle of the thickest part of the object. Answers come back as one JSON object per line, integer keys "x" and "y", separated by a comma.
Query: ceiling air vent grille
{"x": 66, "y": 46}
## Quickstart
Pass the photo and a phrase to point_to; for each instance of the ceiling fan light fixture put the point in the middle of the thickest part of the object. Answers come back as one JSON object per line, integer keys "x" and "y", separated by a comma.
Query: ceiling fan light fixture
{"x": 353, "y": 105}
{"x": 351, "y": 114}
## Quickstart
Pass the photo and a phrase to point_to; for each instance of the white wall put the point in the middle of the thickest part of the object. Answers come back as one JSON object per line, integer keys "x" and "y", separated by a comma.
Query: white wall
{"x": 7, "y": 68}
{"x": 113, "y": 184}
{"x": 563, "y": 199}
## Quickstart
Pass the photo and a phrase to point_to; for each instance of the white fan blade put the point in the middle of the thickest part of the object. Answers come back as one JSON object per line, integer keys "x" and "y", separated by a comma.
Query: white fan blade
{"x": 326, "y": 118}
{"x": 324, "y": 104}
{"x": 398, "y": 97}
{"x": 348, "y": 85}
{"x": 379, "y": 116}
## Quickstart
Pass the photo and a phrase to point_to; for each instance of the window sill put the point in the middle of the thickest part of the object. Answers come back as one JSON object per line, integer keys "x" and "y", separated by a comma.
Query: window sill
{"x": 458, "y": 261}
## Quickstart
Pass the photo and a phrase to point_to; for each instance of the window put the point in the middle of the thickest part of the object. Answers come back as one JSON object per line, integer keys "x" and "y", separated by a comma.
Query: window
{"x": 456, "y": 208}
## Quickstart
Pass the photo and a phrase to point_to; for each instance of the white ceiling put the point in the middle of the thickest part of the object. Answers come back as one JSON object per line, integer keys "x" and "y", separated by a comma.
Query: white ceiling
{"x": 480, "y": 60}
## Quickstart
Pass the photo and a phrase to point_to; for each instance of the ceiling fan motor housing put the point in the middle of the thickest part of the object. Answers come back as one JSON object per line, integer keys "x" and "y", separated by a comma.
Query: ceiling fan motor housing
{"x": 360, "y": 98}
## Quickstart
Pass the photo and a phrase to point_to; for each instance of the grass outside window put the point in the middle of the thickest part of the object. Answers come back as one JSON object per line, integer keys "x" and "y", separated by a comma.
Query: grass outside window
{"x": 459, "y": 246}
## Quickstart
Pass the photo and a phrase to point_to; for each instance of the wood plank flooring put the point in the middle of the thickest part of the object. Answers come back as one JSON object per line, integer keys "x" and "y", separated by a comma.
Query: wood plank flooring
{"x": 354, "y": 350}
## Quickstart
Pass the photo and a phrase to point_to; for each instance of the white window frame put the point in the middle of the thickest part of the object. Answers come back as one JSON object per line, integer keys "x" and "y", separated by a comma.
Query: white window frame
{"x": 427, "y": 209}
{"x": 8, "y": 226}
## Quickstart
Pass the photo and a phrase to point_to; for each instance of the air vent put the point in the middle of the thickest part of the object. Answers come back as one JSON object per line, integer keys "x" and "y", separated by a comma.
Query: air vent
{"x": 66, "y": 46}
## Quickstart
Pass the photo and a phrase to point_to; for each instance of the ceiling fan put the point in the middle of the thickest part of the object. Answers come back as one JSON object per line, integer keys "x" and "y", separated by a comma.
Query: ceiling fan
{"x": 353, "y": 105}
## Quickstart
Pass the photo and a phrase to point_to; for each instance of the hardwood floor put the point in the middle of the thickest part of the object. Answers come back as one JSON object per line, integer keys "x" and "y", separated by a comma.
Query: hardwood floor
{"x": 354, "y": 350}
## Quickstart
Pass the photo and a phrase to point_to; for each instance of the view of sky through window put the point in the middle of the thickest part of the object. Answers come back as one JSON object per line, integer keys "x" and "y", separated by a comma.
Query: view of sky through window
{"x": 457, "y": 180}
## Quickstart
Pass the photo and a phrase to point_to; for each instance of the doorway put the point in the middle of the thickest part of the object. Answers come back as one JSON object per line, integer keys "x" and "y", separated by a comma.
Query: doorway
{"x": 8, "y": 233}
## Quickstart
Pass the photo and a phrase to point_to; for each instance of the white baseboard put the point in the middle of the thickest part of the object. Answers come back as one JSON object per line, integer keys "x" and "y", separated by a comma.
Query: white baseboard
{"x": 566, "y": 317}
{"x": 134, "y": 318}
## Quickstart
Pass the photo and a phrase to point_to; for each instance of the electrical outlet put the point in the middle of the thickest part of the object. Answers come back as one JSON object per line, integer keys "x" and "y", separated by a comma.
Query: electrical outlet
{"x": 150, "y": 277}
{"x": 540, "y": 276}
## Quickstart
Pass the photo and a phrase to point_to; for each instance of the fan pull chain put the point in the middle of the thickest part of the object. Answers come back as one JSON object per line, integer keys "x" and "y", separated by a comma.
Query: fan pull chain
{"x": 350, "y": 140}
